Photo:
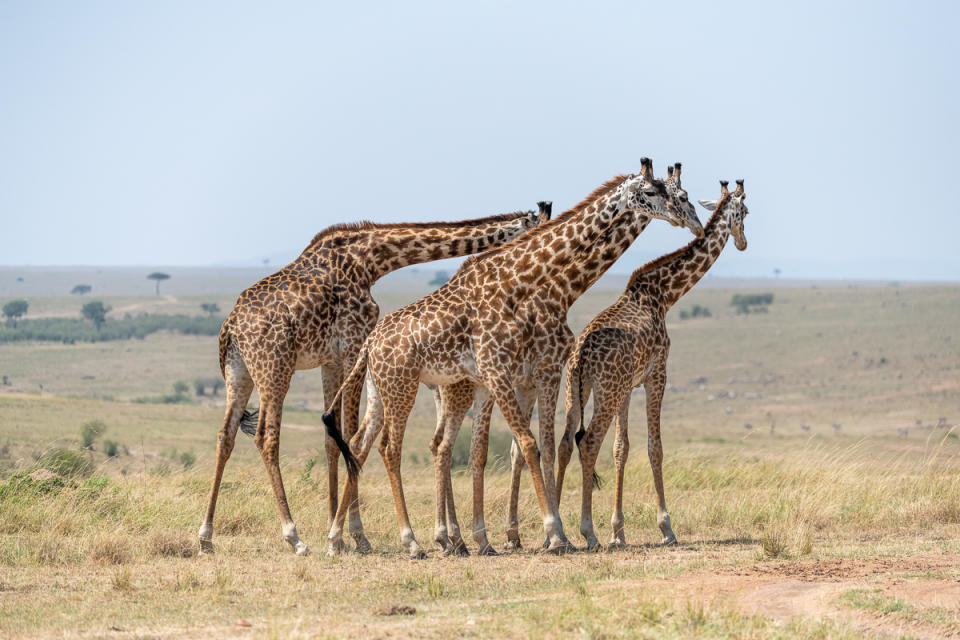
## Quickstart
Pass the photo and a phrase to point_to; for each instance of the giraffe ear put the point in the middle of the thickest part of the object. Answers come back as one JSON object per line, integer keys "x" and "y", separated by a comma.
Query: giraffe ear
{"x": 709, "y": 205}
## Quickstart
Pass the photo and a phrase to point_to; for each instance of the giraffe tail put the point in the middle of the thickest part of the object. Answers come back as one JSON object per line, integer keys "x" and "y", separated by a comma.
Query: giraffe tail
{"x": 574, "y": 369}
{"x": 224, "y": 344}
{"x": 330, "y": 416}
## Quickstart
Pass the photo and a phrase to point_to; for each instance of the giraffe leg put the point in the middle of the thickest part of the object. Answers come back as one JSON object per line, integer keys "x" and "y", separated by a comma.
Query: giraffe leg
{"x": 332, "y": 378}
{"x": 526, "y": 399}
{"x": 351, "y": 413}
{"x": 513, "y": 518}
{"x": 605, "y": 404}
{"x": 548, "y": 388}
{"x": 576, "y": 396}
{"x": 504, "y": 395}
{"x": 654, "y": 388}
{"x": 360, "y": 445}
{"x": 621, "y": 447}
{"x": 239, "y": 386}
{"x": 268, "y": 442}
{"x": 479, "y": 447}
{"x": 456, "y": 401}
{"x": 396, "y": 408}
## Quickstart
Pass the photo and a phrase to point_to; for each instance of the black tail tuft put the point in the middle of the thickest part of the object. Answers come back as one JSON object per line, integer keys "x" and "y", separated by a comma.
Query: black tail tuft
{"x": 578, "y": 436}
{"x": 597, "y": 480}
{"x": 248, "y": 423}
{"x": 330, "y": 420}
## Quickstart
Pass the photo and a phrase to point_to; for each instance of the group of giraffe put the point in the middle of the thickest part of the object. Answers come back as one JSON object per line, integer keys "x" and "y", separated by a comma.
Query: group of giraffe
{"x": 495, "y": 333}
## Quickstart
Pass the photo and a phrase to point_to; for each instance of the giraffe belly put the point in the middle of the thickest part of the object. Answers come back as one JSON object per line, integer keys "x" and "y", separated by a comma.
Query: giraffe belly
{"x": 453, "y": 370}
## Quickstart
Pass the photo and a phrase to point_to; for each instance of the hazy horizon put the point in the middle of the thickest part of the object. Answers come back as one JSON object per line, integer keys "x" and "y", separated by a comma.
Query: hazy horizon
{"x": 219, "y": 133}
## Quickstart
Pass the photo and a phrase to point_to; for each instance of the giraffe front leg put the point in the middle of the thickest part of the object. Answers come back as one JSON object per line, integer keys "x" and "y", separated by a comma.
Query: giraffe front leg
{"x": 332, "y": 378}
{"x": 548, "y": 386}
{"x": 503, "y": 394}
{"x": 654, "y": 389}
{"x": 621, "y": 448}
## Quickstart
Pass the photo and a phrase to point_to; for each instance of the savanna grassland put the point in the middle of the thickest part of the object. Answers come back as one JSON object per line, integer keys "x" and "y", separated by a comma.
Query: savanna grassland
{"x": 812, "y": 470}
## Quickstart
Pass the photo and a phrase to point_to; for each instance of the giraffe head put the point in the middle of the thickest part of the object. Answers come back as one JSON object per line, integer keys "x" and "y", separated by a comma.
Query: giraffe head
{"x": 682, "y": 200}
{"x": 650, "y": 196}
{"x": 529, "y": 220}
{"x": 733, "y": 209}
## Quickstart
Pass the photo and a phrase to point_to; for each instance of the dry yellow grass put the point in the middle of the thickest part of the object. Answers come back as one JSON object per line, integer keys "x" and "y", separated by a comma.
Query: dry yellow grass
{"x": 761, "y": 515}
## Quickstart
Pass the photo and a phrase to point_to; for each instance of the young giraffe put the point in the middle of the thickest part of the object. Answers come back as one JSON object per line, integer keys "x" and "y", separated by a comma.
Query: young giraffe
{"x": 317, "y": 311}
{"x": 468, "y": 329}
{"x": 626, "y": 346}
{"x": 544, "y": 357}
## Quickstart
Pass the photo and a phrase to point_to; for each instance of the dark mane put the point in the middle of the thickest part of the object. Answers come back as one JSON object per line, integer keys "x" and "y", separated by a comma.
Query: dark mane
{"x": 655, "y": 264}
{"x": 597, "y": 193}
{"x": 366, "y": 225}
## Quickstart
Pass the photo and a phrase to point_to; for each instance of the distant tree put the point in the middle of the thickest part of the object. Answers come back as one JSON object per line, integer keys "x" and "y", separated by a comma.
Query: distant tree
{"x": 211, "y": 308}
{"x": 266, "y": 261}
{"x": 776, "y": 272}
{"x": 439, "y": 279}
{"x": 14, "y": 310}
{"x": 95, "y": 312}
{"x": 159, "y": 277}
{"x": 180, "y": 388}
{"x": 81, "y": 289}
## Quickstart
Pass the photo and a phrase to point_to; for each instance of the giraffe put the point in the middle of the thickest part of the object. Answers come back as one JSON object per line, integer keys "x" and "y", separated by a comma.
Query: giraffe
{"x": 317, "y": 311}
{"x": 626, "y": 346}
{"x": 468, "y": 329}
{"x": 539, "y": 381}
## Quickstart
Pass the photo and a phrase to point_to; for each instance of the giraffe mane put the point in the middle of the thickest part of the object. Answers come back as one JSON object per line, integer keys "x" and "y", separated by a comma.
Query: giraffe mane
{"x": 597, "y": 193}
{"x": 366, "y": 225}
{"x": 656, "y": 263}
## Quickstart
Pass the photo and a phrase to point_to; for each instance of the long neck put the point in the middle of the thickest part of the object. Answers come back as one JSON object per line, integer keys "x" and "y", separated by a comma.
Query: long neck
{"x": 551, "y": 253}
{"x": 577, "y": 277}
{"x": 393, "y": 248}
{"x": 677, "y": 273}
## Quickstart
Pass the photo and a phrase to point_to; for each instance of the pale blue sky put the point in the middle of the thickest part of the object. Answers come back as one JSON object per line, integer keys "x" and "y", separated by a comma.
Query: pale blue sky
{"x": 202, "y": 133}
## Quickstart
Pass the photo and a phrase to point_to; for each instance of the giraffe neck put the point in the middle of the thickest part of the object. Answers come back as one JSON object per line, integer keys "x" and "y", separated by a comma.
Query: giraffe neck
{"x": 376, "y": 249}
{"x": 392, "y": 249}
{"x": 558, "y": 251}
{"x": 578, "y": 277}
{"x": 676, "y": 273}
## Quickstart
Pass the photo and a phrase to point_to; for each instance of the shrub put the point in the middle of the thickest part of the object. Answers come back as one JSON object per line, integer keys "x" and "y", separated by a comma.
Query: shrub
{"x": 180, "y": 387}
{"x": 90, "y": 431}
{"x": 71, "y": 330}
{"x": 81, "y": 289}
{"x": 187, "y": 459}
{"x": 110, "y": 448}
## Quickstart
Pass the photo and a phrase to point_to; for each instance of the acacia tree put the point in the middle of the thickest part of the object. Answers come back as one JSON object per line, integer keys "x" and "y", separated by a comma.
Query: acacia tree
{"x": 159, "y": 277}
{"x": 210, "y": 307}
{"x": 14, "y": 310}
{"x": 81, "y": 289}
{"x": 95, "y": 312}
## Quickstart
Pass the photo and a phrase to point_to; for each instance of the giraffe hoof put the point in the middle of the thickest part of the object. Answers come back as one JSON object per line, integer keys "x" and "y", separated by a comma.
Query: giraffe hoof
{"x": 488, "y": 550}
{"x": 206, "y": 547}
{"x": 561, "y": 548}
{"x": 669, "y": 541}
{"x": 460, "y": 550}
{"x": 616, "y": 543}
{"x": 335, "y": 549}
{"x": 301, "y": 550}
{"x": 363, "y": 546}
{"x": 513, "y": 545}
{"x": 419, "y": 554}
